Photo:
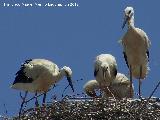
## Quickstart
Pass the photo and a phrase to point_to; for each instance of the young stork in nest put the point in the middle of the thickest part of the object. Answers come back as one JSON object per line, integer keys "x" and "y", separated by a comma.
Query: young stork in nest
{"x": 120, "y": 87}
{"x": 105, "y": 70}
{"x": 135, "y": 48}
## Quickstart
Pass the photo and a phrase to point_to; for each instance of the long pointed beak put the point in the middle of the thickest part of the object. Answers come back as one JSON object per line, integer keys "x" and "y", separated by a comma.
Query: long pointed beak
{"x": 104, "y": 73}
{"x": 70, "y": 83}
{"x": 125, "y": 21}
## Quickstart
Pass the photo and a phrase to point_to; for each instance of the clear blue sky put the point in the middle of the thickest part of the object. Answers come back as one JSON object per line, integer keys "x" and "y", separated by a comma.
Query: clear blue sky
{"x": 72, "y": 36}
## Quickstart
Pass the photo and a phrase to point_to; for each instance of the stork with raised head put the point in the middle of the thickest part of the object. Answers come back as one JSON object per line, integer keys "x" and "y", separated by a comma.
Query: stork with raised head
{"x": 38, "y": 75}
{"x": 105, "y": 70}
{"x": 120, "y": 87}
{"x": 135, "y": 48}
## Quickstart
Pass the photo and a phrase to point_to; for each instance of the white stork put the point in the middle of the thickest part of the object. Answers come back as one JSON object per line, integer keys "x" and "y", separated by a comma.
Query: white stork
{"x": 135, "y": 48}
{"x": 120, "y": 87}
{"x": 90, "y": 87}
{"x": 105, "y": 70}
{"x": 38, "y": 75}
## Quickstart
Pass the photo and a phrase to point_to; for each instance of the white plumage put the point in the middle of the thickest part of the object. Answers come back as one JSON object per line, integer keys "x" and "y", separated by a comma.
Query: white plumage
{"x": 135, "y": 45}
{"x": 38, "y": 75}
{"x": 105, "y": 69}
{"x": 120, "y": 87}
{"x": 90, "y": 87}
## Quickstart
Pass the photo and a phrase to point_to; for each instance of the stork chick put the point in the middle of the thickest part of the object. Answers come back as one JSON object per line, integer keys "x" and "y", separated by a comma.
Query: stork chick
{"x": 105, "y": 70}
{"x": 90, "y": 87}
{"x": 120, "y": 87}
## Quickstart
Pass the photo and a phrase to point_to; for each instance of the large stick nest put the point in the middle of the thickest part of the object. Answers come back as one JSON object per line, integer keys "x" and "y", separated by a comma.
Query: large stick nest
{"x": 94, "y": 109}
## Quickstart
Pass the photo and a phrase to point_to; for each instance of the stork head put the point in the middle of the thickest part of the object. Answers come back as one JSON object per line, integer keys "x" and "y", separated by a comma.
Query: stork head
{"x": 68, "y": 74}
{"x": 128, "y": 15}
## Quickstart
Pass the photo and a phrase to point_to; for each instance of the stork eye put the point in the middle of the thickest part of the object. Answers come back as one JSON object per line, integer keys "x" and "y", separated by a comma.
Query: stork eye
{"x": 129, "y": 11}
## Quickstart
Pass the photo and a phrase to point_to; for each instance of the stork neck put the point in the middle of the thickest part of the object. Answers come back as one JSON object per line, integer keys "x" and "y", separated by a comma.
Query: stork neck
{"x": 61, "y": 74}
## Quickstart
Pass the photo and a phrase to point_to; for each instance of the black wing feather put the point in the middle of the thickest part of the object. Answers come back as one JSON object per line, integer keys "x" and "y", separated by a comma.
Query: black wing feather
{"x": 95, "y": 72}
{"x": 147, "y": 52}
{"x": 115, "y": 71}
{"x": 21, "y": 76}
{"x": 125, "y": 57}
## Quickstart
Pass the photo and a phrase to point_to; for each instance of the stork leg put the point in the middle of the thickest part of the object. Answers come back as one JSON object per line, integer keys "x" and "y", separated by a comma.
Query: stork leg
{"x": 23, "y": 101}
{"x": 36, "y": 102}
{"x": 130, "y": 71}
{"x": 140, "y": 82}
{"x": 44, "y": 98}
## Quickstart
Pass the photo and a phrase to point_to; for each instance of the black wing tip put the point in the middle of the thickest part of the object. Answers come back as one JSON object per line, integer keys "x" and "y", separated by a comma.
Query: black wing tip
{"x": 20, "y": 75}
{"x": 95, "y": 72}
{"x": 23, "y": 66}
{"x": 125, "y": 57}
{"x": 22, "y": 78}
{"x": 115, "y": 72}
{"x": 147, "y": 52}
{"x": 27, "y": 61}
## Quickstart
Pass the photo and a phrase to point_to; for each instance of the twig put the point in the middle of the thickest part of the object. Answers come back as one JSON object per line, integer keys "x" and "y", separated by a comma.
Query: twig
{"x": 68, "y": 86}
{"x": 80, "y": 80}
{"x": 151, "y": 94}
{"x": 64, "y": 90}
{"x": 23, "y": 101}
{"x": 111, "y": 93}
{"x": 34, "y": 97}
{"x": 23, "y": 98}
{"x": 6, "y": 111}
{"x": 81, "y": 98}
{"x": 38, "y": 95}
{"x": 153, "y": 91}
{"x": 21, "y": 95}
